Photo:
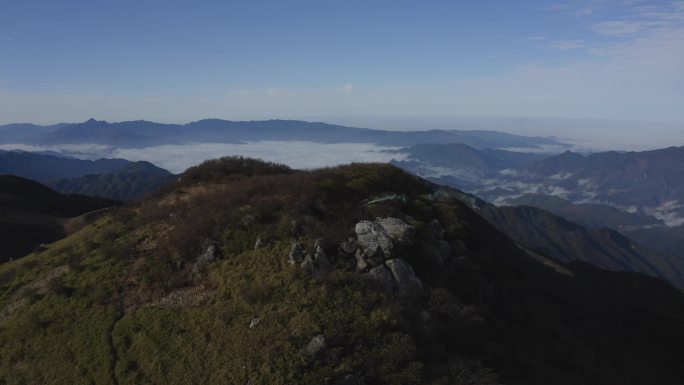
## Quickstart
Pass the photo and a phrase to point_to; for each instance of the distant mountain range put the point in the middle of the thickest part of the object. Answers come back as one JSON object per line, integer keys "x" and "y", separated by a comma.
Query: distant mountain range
{"x": 640, "y": 194}
{"x": 648, "y": 183}
{"x": 460, "y": 165}
{"x": 32, "y": 214}
{"x": 143, "y": 134}
{"x": 555, "y": 237}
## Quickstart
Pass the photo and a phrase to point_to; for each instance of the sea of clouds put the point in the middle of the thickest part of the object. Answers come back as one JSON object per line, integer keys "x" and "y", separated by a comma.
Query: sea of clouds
{"x": 177, "y": 158}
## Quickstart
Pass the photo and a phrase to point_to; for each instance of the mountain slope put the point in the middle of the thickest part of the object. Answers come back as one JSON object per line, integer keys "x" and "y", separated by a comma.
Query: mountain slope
{"x": 586, "y": 214}
{"x": 32, "y": 214}
{"x": 129, "y": 182}
{"x": 195, "y": 285}
{"x": 555, "y": 237}
{"x": 651, "y": 182}
{"x": 44, "y": 168}
{"x": 462, "y": 165}
{"x": 565, "y": 241}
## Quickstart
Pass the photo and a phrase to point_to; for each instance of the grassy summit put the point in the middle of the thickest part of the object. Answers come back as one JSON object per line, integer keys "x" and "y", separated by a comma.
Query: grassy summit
{"x": 193, "y": 286}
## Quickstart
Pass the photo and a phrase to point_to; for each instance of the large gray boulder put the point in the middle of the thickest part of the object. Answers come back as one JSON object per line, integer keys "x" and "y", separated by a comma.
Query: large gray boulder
{"x": 397, "y": 229}
{"x": 404, "y": 276}
{"x": 373, "y": 239}
{"x": 383, "y": 277}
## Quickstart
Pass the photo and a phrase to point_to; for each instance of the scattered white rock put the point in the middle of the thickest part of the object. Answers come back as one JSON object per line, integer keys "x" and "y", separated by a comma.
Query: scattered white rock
{"x": 316, "y": 346}
{"x": 254, "y": 322}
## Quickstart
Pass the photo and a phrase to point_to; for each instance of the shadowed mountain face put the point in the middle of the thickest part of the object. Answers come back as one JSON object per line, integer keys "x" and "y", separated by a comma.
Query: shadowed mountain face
{"x": 587, "y": 214}
{"x": 45, "y": 168}
{"x": 32, "y": 214}
{"x": 116, "y": 179}
{"x": 555, "y": 237}
{"x": 129, "y": 182}
{"x": 363, "y": 274}
{"x": 144, "y": 134}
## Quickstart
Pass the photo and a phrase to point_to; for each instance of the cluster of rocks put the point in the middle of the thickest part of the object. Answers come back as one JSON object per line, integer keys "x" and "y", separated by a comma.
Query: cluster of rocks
{"x": 376, "y": 252}
{"x": 312, "y": 263}
{"x": 373, "y": 250}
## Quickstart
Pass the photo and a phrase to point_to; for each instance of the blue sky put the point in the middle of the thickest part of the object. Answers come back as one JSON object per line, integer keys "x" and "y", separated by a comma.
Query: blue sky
{"x": 176, "y": 61}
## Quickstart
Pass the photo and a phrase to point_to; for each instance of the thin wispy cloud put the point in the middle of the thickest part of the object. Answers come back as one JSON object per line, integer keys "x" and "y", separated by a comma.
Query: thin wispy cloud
{"x": 625, "y": 27}
{"x": 566, "y": 45}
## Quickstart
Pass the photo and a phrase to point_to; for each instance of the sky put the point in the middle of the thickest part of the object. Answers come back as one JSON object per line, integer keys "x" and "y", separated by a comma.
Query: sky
{"x": 357, "y": 61}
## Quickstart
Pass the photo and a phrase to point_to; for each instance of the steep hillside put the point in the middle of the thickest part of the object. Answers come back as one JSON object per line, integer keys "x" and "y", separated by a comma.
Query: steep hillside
{"x": 566, "y": 241}
{"x": 244, "y": 272}
{"x": 666, "y": 239}
{"x": 129, "y": 182}
{"x": 32, "y": 214}
{"x": 586, "y": 214}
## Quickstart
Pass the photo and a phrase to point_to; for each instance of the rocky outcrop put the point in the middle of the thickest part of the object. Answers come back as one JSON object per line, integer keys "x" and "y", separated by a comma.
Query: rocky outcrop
{"x": 383, "y": 277}
{"x": 372, "y": 252}
{"x": 376, "y": 241}
{"x": 404, "y": 276}
{"x": 373, "y": 239}
{"x": 397, "y": 229}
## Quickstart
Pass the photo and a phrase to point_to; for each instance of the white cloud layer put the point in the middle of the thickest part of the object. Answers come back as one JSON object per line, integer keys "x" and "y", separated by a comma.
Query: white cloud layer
{"x": 177, "y": 158}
